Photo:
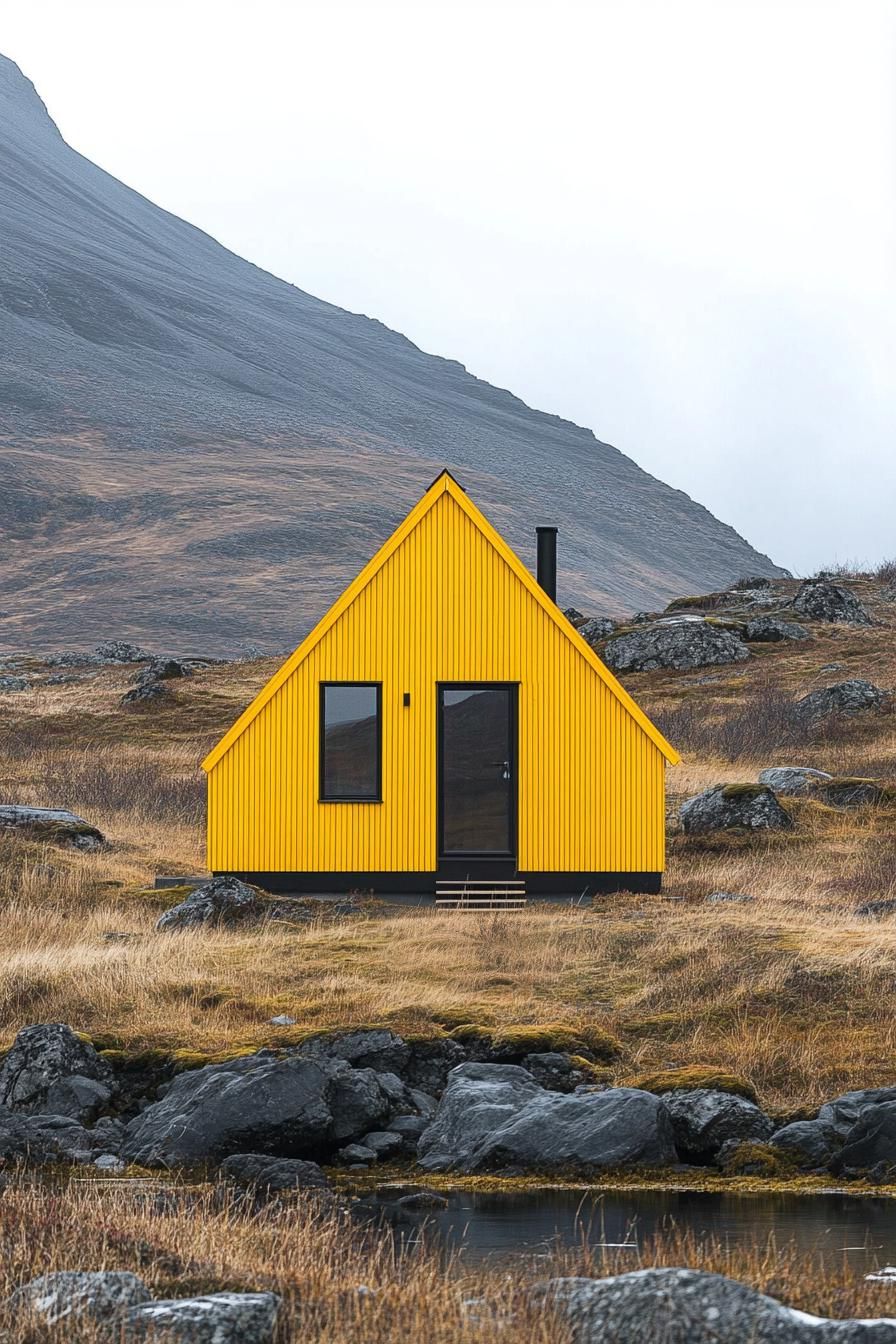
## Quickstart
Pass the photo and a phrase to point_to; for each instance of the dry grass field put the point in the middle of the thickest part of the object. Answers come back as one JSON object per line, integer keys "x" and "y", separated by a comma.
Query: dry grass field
{"x": 340, "y": 1283}
{"x": 793, "y": 990}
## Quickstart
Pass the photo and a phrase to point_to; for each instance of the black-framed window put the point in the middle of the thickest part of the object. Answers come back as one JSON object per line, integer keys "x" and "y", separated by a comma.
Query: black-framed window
{"x": 351, "y": 741}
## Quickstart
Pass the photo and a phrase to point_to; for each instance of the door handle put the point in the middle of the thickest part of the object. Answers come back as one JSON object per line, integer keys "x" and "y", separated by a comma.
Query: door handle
{"x": 503, "y": 766}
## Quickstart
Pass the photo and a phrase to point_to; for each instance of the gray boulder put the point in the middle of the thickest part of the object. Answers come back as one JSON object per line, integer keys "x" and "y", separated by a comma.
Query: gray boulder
{"x": 728, "y": 898}
{"x": 771, "y": 630}
{"x": 385, "y": 1143}
{"x": 218, "y": 1318}
{"x": 704, "y": 1119}
{"x": 811, "y": 1143}
{"x": 882, "y": 909}
{"x": 14, "y": 684}
{"x": 374, "y": 1049}
{"x": 39, "y": 1140}
{"x": 822, "y": 600}
{"x": 357, "y": 1155}
{"x": 224, "y": 901}
{"x": 846, "y": 792}
{"x": 679, "y": 644}
{"x": 596, "y": 628}
{"x": 146, "y": 690}
{"x": 844, "y": 1111}
{"x": 410, "y": 1127}
{"x": 619, "y": 1127}
{"x": 728, "y": 807}
{"x": 72, "y": 659}
{"x": 361, "y": 1100}
{"x": 119, "y": 651}
{"x": 871, "y": 1141}
{"x": 423, "y": 1064}
{"x": 792, "y": 779}
{"x": 854, "y": 696}
{"x": 287, "y": 1107}
{"x": 166, "y": 669}
{"x": 477, "y": 1100}
{"x": 55, "y": 825}
{"x": 689, "y": 1306}
{"x": 554, "y": 1071}
{"x": 51, "y": 1071}
{"x": 272, "y": 1175}
{"x": 71, "y": 1295}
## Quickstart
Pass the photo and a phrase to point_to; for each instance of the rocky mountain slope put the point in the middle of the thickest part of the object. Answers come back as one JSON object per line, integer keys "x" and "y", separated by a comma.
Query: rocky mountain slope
{"x": 193, "y": 452}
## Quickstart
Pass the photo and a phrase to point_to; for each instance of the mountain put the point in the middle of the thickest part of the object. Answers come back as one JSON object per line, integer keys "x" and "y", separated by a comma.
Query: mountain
{"x": 194, "y": 453}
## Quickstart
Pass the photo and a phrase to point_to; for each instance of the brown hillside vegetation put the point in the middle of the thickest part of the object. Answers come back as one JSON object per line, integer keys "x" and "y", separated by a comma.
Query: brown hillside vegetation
{"x": 794, "y": 990}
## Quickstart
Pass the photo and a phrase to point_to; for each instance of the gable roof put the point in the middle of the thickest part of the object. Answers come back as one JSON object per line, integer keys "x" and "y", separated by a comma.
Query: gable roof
{"x": 444, "y": 484}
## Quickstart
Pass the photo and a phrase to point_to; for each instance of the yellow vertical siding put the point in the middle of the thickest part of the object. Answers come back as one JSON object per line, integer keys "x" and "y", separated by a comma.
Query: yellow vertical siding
{"x": 444, "y": 606}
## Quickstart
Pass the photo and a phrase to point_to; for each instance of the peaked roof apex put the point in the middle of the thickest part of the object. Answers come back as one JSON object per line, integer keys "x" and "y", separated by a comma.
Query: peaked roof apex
{"x": 444, "y": 483}
{"x": 442, "y": 474}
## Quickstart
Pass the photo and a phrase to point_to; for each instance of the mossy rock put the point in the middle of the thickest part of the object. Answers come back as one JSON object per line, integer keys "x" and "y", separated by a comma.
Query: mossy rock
{"x": 744, "y": 790}
{"x": 593, "y": 1072}
{"x": 591, "y": 1041}
{"x": 471, "y": 1031}
{"x": 758, "y": 1159}
{"x": 692, "y": 1076}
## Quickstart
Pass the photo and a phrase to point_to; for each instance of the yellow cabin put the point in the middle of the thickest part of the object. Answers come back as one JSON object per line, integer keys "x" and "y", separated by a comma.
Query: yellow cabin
{"x": 443, "y": 727}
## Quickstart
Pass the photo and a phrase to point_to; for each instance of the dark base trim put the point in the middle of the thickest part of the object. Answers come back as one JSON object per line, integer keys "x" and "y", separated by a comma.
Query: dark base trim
{"x": 559, "y": 885}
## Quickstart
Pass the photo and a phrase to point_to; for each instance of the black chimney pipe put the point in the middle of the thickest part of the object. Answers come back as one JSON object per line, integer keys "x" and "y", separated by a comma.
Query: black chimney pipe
{"x": 547, "y": 560}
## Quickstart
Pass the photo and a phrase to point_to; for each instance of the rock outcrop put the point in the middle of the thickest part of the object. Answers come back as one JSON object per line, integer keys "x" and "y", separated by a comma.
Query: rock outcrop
{"x": 287, "y": 1106}
{"x": 216, "y": 1318}
{"x": 704, "y": 1120}
{"x": 55, "y": 825}
{"x": 676, "y": 644}
{"x": 222, "y": 902}
{"x": 846, "y": 792}
{"x": 117, "y": 1307}
{"x": 51, "y": 1071}
{"x": 809, "y": 1143}
{"x": 494, "y": 1115}
{"x": 596, "y": 628}
{"x": 843, "y": 1112}
{"x": 792, "y": 779}
{"x": 821, "y": 600}
{"x": 844, "y": 697}
{"x": 689, "y": 1306}
{"x": 772, "y": 630}
{"x": 68, "y": 1296}
{"x": 870, "y": 1142}
{"x": 728, "y": 807}
{"x": 272, "y": 1175}
{"x": 479, "y": 1098}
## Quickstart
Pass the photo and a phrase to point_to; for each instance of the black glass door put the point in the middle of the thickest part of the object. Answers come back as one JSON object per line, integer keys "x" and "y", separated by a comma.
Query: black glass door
{"x": 477, "y": 769}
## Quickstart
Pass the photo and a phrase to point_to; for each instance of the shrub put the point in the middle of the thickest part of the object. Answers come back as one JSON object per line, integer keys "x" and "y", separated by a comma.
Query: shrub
{"x": 766, "y": 720}
{"x": 99, "y": 778}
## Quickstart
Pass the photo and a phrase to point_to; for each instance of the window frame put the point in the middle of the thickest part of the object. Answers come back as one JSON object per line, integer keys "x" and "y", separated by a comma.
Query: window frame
{"x": 322, "y": 795}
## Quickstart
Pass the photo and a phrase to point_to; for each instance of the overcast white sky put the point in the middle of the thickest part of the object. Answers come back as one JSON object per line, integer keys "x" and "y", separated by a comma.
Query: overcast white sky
{"x": 673, "y": 222}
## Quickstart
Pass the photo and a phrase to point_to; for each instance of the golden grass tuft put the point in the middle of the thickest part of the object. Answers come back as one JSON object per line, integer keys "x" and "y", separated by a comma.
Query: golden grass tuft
{"x": 693, "y": 1076}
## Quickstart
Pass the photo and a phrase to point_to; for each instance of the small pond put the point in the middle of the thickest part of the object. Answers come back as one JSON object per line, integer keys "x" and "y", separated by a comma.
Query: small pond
{"x": 860, "y": 1228}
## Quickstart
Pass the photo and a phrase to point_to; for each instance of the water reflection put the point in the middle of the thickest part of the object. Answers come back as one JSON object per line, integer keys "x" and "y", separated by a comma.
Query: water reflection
{"x": 480, "y": 1226}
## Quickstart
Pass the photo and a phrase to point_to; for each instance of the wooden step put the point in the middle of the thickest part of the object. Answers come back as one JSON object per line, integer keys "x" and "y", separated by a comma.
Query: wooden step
{"x": 480, "y": 894}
